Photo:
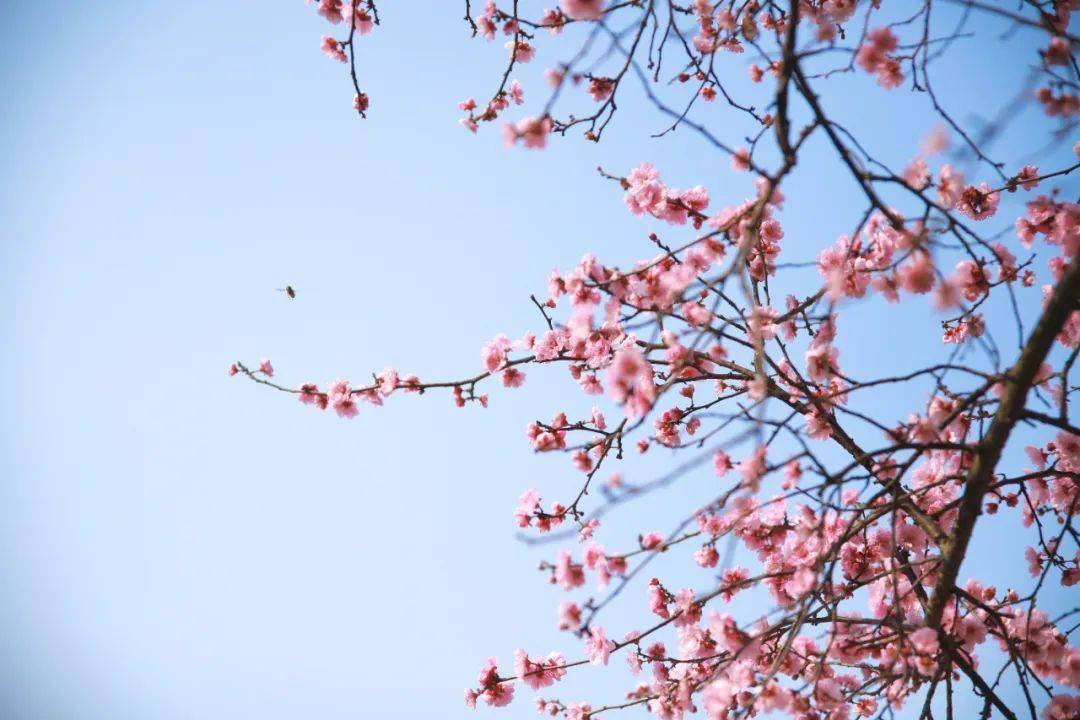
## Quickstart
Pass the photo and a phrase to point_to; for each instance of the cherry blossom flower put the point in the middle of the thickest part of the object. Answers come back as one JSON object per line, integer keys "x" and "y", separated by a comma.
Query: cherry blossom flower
{"x": 333, "y": 49}
{"x": 597, "y": 647}
{"x": 582, "y": 9}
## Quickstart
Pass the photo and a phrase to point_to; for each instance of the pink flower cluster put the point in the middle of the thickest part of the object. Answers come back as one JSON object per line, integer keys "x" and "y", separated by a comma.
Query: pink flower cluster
{"x": 532, "y": 132}
{"x": 513, "y": 93}
{"x": 582, "y": 9}
{"x": 845, "y": 541}
{"x": 360, "y": 19}
{"x": 646, "y": 193}
{"x": 493, "y": 690}
{"x": 873, "y": 57}
{"x": 717, "y": 29}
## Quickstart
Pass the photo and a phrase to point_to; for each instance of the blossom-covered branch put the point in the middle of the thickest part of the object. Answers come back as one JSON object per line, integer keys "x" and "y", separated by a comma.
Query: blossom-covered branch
{"x": 724, "y": 341}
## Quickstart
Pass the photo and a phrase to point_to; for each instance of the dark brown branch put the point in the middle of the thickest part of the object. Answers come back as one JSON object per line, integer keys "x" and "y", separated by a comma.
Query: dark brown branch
{"x": 1010, "y": 410}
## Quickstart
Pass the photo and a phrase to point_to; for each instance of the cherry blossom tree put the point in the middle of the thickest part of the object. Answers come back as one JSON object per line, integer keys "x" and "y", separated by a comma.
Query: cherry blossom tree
{"x": 857, "y": 515}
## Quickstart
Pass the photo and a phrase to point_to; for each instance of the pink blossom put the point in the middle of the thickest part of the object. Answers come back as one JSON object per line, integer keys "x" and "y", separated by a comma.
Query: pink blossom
{"x": 388, "y": 381}
{"x": 601, "y": 88}
{"x": 528, "y": 504}
{"x": 873, "y": 57}
{"x": 517, "y": 94}
{"x": 658, "y": 599}
{"x": 309, "y": 393}
{"x": 652, "y": 540}
{"x": 792, "y": 473}
{"x": 950, "y": 186}
{"x": 553, "y": 20}
{"x": 630, "y": 381}
{"x": 486, "y": 22}
{"x": 721, "y": 462}
{"x": 917, "y": 274}
{"x": 521, "y": 51}
{"x": 752, "y": 468}
{"x": 1062, "y": 707}
{"x": 1034, "y": 561}
{"x": 582, "y": 9}
{"x": 1028, "y": 177}
{"x": 568, "y": 574}
{"x": 331, "y": 10}
{"x": 801, "y": 582}
{"x": 569, "y": 616}
{"x": 936, "y": 141}
{"x": 762, "y": 323}
{"x": 332, "y": 48}
{"x": 342, "y": 400}
{"x": 493, "y": 691}
{"x": 365, "y": 23}
{"x": 978, "y": 203}
{"x": 707, "y": 556}
{"x": 686, "y": 608}
{"x": 539, "y": 673}
{"x": 740, "y": 160}
{"x": 598, "y": 419}
{"x": 925, "y": 641}
{"x": 597, "y": 647}
{"x": 533, "y": 132}
{"x": 696, "y": 314}
{"x": 817, "y": 425}
{"x": 732, "y": 579}
{"x": 494, "y": 353}
{"x": 512, "y": 378}
{"x": 1067, "y": 447}
{"x": 917, "y": 174}
{"x": 644, "y": 189}
{"x": 578, "y": 711}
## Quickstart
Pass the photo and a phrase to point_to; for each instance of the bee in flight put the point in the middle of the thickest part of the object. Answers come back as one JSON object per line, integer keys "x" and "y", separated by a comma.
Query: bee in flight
{"x": 288, "y": 290}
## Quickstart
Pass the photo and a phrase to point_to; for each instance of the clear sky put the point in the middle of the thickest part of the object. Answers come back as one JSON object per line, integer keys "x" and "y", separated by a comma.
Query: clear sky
{"x": 178, "y": 544}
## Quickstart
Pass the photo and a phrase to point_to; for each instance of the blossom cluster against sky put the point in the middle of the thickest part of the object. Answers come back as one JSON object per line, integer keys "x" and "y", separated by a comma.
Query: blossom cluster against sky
{"x": 173, "y": 544}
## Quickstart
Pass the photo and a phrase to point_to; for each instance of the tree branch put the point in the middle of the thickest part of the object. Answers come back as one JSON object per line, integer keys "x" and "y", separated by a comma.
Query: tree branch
{"x": 1010, "y": 410}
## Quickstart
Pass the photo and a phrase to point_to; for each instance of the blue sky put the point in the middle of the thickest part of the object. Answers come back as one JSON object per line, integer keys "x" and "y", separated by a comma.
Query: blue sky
{"x": 176, "y": 544}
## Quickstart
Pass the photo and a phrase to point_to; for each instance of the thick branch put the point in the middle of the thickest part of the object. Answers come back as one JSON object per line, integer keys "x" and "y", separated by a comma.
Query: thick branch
{"x": 1010, "y": 410}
